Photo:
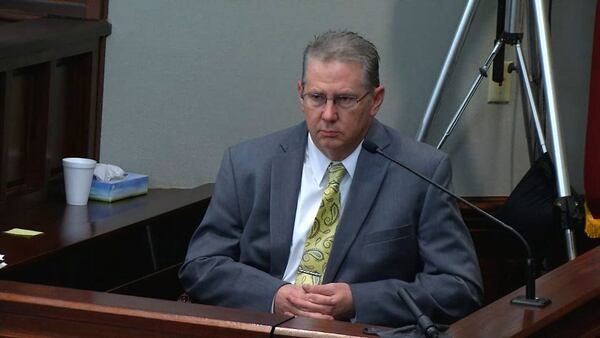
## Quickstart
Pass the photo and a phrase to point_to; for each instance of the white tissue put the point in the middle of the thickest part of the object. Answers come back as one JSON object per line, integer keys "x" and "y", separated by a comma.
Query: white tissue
{"x": 108, "y": 172}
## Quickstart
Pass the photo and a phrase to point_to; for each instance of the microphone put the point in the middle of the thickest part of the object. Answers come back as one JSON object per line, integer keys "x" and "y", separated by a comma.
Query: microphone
{"x": 529, "y": 299}
{"x": 424, "y": 322}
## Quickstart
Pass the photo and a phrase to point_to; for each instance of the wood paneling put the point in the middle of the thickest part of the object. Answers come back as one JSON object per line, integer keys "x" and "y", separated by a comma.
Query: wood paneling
{"x": 26, "y": 119}
{"x": 50, "y": 101}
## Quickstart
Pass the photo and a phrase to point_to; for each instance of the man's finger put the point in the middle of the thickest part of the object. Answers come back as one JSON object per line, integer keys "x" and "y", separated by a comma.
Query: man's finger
{"x": 315, "y": 315}
{"x": 325, "y": 289}
{"x": 321, "y": 299}
{"x": 308, "y": 306}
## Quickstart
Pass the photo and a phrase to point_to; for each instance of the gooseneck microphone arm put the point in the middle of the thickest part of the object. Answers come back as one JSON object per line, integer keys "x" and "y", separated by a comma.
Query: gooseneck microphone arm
{"x": 427, "y": 326}
{"x": 530, "y": 299}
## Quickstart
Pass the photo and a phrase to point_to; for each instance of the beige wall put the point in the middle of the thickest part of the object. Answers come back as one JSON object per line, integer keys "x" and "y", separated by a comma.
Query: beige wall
{"x": 185, "y": 79}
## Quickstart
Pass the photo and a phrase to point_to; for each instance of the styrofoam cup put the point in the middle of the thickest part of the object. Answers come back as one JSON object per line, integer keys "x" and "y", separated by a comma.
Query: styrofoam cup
{"x": 78, "y": 173}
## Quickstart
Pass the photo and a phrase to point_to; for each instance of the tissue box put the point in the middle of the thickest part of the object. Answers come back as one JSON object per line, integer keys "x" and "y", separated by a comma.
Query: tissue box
{"x": 132, "y": 185}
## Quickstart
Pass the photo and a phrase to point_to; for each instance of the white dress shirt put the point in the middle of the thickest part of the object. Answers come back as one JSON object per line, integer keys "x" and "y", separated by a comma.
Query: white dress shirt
{"x": 314, "y": 182}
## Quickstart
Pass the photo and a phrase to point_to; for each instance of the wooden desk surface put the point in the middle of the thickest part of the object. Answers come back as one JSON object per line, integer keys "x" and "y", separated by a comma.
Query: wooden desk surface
{"x": 64, "y": 225}
{"x": 572, "y": 286}
{"x": 132, "y": 247}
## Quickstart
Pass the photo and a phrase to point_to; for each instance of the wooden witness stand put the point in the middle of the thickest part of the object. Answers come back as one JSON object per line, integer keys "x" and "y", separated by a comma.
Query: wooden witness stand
{"x": 117, "y": 255}
{"x": 34, "y": 310}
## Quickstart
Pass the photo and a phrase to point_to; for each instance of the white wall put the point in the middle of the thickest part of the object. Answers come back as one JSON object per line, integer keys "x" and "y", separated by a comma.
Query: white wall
{"x": 185, "y": 79}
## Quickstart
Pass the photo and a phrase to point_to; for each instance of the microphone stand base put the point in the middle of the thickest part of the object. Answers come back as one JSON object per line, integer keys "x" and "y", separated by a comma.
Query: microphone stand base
{"x": 536, "y": 302}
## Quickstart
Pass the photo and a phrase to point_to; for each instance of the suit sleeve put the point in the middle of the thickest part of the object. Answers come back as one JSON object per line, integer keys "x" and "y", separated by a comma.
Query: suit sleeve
{"x": 211, "y": 272}
{"x": 449, "y": 285}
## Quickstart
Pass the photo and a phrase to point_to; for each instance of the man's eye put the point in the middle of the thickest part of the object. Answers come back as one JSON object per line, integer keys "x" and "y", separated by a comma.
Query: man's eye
{"x": 345, "y": 99}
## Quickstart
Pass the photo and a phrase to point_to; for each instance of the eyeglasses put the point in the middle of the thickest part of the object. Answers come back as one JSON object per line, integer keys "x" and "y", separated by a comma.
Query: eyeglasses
{"x": 346, "y": 102}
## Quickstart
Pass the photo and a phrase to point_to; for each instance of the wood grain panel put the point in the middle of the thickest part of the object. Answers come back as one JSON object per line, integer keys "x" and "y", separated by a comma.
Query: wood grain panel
{"x": 50, "y": 101}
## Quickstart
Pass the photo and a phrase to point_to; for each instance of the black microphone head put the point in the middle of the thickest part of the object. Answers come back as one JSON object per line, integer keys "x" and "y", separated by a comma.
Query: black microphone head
{"x": 370, "y": 146}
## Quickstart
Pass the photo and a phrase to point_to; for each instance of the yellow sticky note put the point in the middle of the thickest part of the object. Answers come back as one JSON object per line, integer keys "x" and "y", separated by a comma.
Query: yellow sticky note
{"x": 22, "y": 232}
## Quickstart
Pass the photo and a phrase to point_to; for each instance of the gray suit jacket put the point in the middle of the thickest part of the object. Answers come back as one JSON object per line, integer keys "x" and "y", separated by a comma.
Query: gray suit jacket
{"x": 395, "y": 231}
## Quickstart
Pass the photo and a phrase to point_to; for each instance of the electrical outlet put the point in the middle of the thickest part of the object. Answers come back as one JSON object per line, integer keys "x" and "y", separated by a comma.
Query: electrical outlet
{"x": 500, "y": 93}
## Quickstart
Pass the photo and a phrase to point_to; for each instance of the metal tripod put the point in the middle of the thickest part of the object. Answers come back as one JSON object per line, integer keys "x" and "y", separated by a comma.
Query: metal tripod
{"x": 512, "y": 35}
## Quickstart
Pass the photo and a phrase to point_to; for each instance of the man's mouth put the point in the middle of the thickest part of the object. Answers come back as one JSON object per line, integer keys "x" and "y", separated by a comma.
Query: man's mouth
{"x": 329, "y": 133}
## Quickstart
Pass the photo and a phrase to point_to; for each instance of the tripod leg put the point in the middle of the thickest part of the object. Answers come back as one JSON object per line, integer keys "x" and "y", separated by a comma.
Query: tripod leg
{"x": 457, "y": 42}
{"x": 565, "y": 199}
{"x": 524, "y": 76}
{"x": 482, "y": 73}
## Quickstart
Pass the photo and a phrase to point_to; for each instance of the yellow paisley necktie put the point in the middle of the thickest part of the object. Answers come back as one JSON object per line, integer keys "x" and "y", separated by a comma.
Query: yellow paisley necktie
{"x": 320, "y": 238}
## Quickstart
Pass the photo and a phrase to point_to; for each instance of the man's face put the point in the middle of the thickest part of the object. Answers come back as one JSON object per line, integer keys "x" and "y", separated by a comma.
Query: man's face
{"x": 337, "y": 131}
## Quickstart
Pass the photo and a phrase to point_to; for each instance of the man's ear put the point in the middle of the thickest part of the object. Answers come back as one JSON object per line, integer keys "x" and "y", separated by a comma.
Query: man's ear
{"x": 378, "y": 94}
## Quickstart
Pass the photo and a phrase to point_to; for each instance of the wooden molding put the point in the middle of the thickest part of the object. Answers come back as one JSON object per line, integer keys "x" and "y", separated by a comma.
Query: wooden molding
{"x": 80, "y": 9}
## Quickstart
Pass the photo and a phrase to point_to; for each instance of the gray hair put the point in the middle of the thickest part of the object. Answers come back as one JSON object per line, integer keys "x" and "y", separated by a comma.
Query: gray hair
{"x": 344, "y": 46}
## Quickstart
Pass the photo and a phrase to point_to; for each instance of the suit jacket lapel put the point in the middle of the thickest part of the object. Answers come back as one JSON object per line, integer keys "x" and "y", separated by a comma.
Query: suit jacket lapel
{"x": 286, "y": 177}
{"x": 368, "y": 176}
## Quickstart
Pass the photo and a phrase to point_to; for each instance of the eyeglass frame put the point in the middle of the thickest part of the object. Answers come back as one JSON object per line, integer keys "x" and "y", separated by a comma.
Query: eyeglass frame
{"x": 336, "y": 97}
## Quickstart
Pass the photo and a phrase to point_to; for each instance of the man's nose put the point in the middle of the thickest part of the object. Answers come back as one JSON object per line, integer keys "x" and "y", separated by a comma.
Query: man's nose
{"x": 330, "y": 111}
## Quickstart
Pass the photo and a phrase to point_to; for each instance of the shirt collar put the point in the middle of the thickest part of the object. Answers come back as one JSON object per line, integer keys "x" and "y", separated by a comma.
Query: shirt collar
{"x": 319, "y": 162}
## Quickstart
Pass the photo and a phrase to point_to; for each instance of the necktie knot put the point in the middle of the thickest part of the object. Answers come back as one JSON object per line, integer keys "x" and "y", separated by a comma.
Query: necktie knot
{"x": 335, "y": 173}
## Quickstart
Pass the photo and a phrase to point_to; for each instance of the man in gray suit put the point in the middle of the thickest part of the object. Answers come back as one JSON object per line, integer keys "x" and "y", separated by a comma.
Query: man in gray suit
{"x": 377, "y": 227}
